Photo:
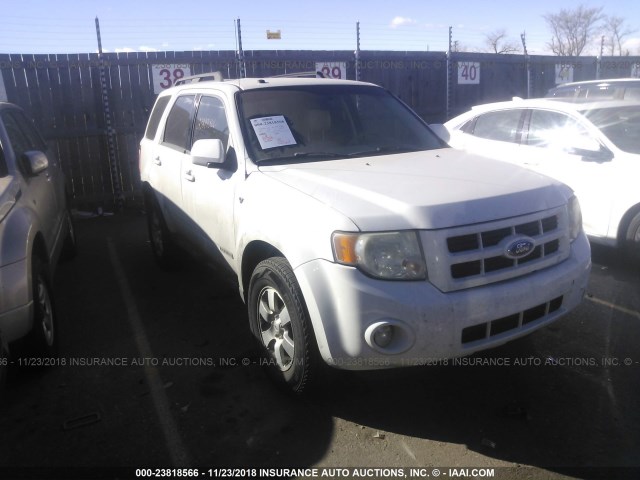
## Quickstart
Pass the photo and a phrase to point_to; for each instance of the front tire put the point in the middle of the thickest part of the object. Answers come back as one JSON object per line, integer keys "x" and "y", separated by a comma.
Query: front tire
{"x": 280, "y": 322}
{"x": 632, "y": 238}
{"x": 43, "y": 339}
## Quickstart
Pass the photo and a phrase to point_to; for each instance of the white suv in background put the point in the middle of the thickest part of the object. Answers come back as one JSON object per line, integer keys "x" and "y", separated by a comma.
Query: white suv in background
{"x": 357, "y": 237}
{"x": 593, "y": 147}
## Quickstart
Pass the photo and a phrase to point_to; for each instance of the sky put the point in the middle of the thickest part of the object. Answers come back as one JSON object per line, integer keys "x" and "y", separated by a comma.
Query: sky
{"x": 64, "y": 26}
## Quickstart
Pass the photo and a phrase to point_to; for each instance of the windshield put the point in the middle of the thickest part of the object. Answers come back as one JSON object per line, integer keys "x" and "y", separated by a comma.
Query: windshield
{"x": 621, "y": 125}
{"x": 319, "y": 122}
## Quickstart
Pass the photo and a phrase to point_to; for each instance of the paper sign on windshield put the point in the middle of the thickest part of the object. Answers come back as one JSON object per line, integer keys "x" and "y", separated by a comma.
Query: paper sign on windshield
{"x": 272, "y": 132}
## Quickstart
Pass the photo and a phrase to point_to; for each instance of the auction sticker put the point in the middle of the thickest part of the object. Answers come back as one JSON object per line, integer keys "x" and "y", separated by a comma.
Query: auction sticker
{"x": 272, "y": 132}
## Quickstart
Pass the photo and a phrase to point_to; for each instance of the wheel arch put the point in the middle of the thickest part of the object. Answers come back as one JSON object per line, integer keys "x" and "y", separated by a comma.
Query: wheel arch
{"x": 254, "y": 253}
{"x": 625, "y": 222}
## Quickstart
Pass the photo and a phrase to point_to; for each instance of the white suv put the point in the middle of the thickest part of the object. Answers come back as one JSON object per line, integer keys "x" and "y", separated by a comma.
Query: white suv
{"x": 593, "y": 147}
{"x": 357, "y": 237}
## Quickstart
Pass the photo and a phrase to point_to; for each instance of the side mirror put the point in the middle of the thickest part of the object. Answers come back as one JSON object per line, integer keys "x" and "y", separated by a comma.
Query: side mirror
{"x": 590, "y": 149}
{"x": 600, "y": 156}
{"x": 208, "y": 153}
{"x": 35, "y": 161}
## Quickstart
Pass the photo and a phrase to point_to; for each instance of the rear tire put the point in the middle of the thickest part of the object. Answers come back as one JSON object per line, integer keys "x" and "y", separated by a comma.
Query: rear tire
{"x": 279, "y": 320}
{"x": 164, "y": 249}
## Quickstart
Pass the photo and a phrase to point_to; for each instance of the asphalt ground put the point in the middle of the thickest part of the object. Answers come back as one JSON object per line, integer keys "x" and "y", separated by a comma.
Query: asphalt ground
{"x": 158, "y": 370}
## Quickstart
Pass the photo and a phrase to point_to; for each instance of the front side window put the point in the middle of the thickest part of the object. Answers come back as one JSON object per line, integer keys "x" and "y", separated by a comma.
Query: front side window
{"x": 549, "y": 129}
{"x": 502, "y": 125}
{"x": 211, "y": 121}
{"x": 178, "y": 128}
{"x": 619, "y": 124}
{"x": 320, "y": 122}
{"x": 22, "y": 134}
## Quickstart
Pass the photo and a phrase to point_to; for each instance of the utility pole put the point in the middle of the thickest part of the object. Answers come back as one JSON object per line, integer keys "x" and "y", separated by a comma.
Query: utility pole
{"x": 527, "y": 62}
{"x": 599, "y": 59}
{"x": 111, "y": 145}
{"x": 357, "y": 51}
{"x": 449, "y": 68}
{"x": 240, "y": 52}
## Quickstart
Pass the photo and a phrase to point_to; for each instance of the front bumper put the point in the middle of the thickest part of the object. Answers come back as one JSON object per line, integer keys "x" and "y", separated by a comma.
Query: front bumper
{"x": 345, "y": 306}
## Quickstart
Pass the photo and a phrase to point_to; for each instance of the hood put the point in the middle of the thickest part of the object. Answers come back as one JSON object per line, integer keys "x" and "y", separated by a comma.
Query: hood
{"x": 422, "y": 190}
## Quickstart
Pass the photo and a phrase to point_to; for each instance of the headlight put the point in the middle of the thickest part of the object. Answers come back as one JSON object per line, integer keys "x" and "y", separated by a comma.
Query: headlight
{"x": 575, "y": 218}
{"x": 388, "y": 255}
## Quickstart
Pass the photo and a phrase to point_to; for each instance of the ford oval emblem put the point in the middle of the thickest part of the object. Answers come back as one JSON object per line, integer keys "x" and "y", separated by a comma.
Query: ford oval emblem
{"x": 519, "y": 248}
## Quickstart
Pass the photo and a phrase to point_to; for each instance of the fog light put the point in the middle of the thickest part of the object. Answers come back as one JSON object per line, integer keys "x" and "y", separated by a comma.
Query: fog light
{"x": 383, "y": 336}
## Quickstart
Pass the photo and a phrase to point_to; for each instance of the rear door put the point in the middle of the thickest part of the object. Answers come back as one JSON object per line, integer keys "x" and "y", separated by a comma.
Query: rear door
{"x": 167, "y": 157}
{"x": 493, "y": 134}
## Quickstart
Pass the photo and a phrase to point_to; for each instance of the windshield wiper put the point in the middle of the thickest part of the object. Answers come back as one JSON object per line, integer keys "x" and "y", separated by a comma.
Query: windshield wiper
{"x": 380, "y": 150}
{"x": 304, "y": 156}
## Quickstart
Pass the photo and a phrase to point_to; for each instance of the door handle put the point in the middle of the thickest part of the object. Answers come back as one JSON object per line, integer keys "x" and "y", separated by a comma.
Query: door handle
{"x": 157, "y": 161}
{"x": 188, "y": 176}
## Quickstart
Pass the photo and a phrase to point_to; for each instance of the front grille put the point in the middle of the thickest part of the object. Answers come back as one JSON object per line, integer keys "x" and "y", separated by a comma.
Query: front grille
{"x": 465, "y": 257}
{"x": 492, "y": 238}
{"x": 510, "y": 323}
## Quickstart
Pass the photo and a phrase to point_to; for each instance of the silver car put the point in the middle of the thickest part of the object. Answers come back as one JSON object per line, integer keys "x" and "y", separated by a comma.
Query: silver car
{"x": 35, "y": 231}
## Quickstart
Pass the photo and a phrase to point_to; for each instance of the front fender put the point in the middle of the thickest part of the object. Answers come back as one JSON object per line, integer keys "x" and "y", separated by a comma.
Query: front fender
{"x": 288, "y": 220}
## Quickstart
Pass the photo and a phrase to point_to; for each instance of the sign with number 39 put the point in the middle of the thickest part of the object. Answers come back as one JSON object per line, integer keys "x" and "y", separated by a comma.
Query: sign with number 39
{"x": 165, "y": 75}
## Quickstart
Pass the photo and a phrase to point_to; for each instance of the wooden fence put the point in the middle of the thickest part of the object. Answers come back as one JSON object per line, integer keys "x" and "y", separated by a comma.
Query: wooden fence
{"x": 63, "y": 93}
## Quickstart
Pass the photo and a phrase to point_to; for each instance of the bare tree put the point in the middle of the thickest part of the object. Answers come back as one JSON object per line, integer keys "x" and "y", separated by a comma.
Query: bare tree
{"x": 498, "y": 42}
{"x": 616, "y": 31}
{"x": 572, "y": 29}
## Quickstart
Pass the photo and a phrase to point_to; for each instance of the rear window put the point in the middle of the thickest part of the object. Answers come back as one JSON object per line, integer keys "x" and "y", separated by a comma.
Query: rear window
{"x": 502, "y": 125}
{"x": 156, "y": 115}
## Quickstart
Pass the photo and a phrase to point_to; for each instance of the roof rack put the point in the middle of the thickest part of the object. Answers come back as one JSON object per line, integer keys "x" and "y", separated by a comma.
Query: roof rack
{"x": 311, "y": 73}
{"x": 203, "y": 77}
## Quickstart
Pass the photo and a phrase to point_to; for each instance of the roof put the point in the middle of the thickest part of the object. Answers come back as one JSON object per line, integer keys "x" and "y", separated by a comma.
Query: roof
{"x": 558, "y": 103}
{"x": 604, "y": 81}
{"x": 258, "y": 83}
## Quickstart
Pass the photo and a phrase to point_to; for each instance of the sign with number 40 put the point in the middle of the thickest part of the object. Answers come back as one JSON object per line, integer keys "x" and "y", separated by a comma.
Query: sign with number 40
{"x": 468, "y": 73}
{"x": 165, "y": 75}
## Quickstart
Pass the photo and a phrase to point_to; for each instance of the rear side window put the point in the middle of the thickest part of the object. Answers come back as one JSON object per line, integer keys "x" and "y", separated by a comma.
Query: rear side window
{"x": 502, "y": 125}
{"x": 178, "y": 129}
{"x": 156, "y": 115}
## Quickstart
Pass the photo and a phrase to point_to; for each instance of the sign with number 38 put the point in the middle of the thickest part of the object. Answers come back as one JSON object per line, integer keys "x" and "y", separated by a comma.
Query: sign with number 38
{"x": 165, "y": 75}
